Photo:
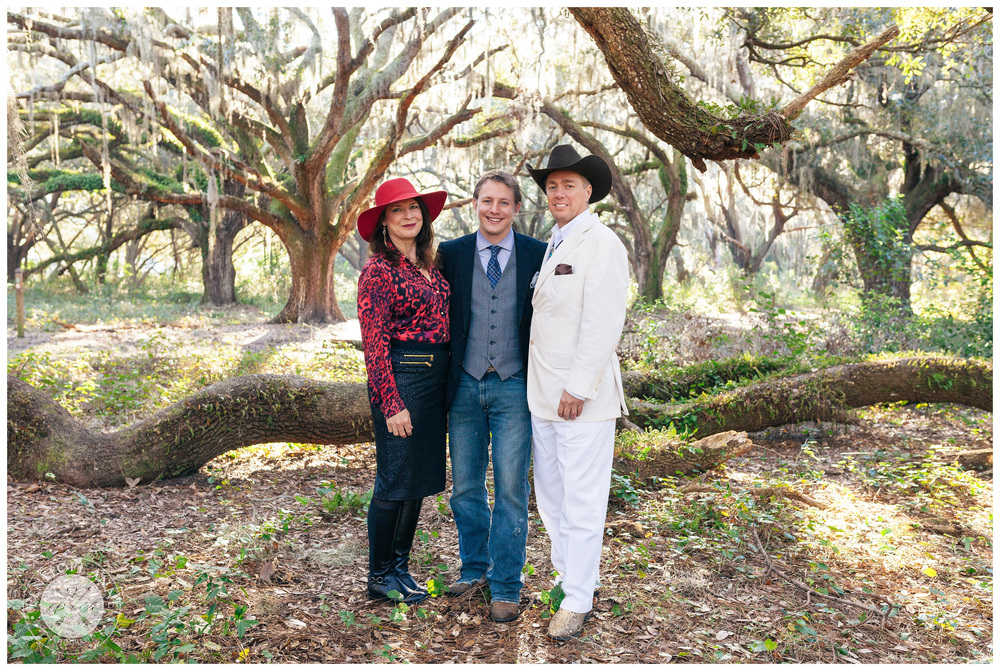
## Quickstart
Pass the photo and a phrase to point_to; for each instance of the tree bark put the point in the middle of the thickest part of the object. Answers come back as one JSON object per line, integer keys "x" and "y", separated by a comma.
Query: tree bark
{"x": 976, "y": 460}
{"x": 633, "y": 58}
{"x": 311, "y": 255}
{"x": 826, "y": 395}
{"x": 218, "y": 273}
{"x": 676, "y": 458}
{"x": 44, "y": 438}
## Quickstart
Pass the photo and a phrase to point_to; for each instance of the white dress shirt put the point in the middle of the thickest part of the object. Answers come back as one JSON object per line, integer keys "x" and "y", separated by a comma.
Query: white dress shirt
{"x": 561, "y": 233}
{"x": 506, "y": 249}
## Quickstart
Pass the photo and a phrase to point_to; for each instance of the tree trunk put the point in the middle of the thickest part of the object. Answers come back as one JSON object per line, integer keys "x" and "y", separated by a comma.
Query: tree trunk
{"x": 977, "y": 460}
{"x": 649, "y": 246}
{"x": 20, "y": 239}
{"x": 218, "y": 273}
{"x": 883, "y": 250}
{"x": 313, "y": 298}
{"x": 673, "y": 179}
{"x": 827, "y": 394}
{"x": 676, "y": 458}
{"x": 104, "y": 256}
{"x": 43, "y": 438}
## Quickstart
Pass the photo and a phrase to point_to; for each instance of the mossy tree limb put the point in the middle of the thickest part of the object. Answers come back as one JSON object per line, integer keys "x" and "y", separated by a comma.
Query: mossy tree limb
{"x": 827, "y": 394}
{"x": 42, "y": 437}
{"x": 634, "y": 58}
{"x": 679, "y": 459}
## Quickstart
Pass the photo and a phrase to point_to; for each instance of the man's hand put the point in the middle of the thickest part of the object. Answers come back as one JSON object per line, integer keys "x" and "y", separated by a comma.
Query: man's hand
{"x": 570, "y": 406}
{"x": 399, "y": 424}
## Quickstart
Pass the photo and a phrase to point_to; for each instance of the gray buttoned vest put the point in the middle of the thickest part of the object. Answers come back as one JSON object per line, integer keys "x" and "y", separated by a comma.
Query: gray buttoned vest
{"x": 493, "y": 328}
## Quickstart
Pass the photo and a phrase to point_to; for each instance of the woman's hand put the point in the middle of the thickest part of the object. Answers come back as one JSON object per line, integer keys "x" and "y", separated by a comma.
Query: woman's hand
{"x": 399, "y": 424}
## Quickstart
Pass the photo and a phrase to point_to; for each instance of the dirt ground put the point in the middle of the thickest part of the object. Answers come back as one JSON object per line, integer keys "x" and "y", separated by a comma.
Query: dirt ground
{"x": 683, "y": 578}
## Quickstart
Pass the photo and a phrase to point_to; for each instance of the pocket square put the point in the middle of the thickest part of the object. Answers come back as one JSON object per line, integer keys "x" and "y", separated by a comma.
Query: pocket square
{"x": 534, "y": 278}
{"x": 564, "y": 269}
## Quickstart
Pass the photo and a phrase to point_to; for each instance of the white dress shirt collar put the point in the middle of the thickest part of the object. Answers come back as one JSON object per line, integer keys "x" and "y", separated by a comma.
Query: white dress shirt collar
{"x": 560, "y": 234}
{"x": 507, "y": 243}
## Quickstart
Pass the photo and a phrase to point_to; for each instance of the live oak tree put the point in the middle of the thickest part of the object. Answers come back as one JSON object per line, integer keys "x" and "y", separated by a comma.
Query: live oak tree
{"x": 895, "y": 116}
{"x": 649, "y": 239}
{"x": 63, "y": 180}
{"x": 636, "y": 61}
{"x": 916, "y": 109}
{"x": 896, "y": 112}
{"x": 308, "y": 128}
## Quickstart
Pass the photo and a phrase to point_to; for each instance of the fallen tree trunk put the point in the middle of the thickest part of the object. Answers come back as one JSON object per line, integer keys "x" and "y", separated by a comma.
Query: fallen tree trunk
{"x": 678, "y": 458}
{"x": 43, "y": 438}
{"x": 826, "y": 395}
{"x": 975, "y": 460}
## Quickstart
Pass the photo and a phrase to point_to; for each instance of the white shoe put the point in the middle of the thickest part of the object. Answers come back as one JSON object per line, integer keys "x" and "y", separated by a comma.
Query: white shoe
{"x": 566, "y": 624}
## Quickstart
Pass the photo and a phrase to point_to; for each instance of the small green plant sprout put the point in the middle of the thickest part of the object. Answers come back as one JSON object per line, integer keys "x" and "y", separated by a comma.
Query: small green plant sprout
{"x": 435, "y": 585}
{"x": 335, "y": 500}
{"x": 399, "y": 611}
{"x": 552, "y": 598}
{"x": 622, "y": 489}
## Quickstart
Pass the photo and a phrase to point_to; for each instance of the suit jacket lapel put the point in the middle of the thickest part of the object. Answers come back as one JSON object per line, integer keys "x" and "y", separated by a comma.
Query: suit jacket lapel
{"x": 467, "y": 257}
{"x": 523, "y": 273}
{"x": 567, "y": 246}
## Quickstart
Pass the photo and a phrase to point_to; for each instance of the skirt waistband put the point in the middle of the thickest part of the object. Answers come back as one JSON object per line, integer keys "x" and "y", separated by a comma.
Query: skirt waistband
{"x": 416, "y": 346}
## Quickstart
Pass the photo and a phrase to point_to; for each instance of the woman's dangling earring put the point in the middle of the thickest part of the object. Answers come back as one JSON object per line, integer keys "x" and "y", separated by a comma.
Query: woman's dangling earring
{"x": 385, "y": 238}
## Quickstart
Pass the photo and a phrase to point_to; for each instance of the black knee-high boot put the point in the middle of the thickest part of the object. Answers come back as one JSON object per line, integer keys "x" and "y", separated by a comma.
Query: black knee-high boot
{"x": 383, "y": 520}
{"x": 409, "y": 514}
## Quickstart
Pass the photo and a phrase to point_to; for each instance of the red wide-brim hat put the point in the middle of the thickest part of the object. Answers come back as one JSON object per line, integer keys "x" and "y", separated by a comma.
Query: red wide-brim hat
{"x": 392, "y": 191}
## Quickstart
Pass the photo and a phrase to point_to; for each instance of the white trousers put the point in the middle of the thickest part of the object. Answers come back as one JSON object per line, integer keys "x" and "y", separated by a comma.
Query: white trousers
{"x": 572, "y": 479}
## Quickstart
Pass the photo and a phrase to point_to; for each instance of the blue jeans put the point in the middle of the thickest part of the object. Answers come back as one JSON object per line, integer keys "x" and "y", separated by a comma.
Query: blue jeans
{"x": 491, "y": 545}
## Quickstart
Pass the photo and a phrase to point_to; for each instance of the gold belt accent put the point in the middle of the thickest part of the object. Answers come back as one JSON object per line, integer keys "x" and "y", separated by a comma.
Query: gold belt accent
{"x": 417, "y": 359}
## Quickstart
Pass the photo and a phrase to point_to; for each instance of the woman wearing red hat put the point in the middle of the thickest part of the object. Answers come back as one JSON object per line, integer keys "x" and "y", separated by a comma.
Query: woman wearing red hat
{"x": 403, "y": 309}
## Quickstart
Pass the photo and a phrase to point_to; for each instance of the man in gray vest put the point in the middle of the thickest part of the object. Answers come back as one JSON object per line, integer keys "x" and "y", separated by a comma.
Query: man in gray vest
{"x": 491, "y": 275}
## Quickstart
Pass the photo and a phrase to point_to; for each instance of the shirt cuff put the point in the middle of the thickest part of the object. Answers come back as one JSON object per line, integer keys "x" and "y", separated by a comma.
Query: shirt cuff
{"x": 579, "y": 398}
{"x": 393, "y": 406}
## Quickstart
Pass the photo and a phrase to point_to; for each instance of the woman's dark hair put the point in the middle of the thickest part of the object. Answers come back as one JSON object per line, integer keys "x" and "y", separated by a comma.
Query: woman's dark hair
{"x": 425, "y": 239}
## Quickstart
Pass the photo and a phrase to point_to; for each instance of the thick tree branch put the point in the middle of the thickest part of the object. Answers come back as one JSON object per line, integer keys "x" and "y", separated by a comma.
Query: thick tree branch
{"x": 825, "y": 395}
{"x": 634, "y": 61}
{"x": 122, "y": 237}
{"x": 957, "y": 225}
{"x": 43, "y": 438}
{"x": 840, "y": 73}
{"x": 250, "y": 179}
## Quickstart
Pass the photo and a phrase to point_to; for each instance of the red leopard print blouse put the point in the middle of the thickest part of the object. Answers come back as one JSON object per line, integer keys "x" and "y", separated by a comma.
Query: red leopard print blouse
{"x": 397, "y": 303}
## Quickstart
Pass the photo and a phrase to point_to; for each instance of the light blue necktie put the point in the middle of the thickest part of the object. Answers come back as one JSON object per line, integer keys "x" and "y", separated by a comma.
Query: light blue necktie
{"x": 493, "y": 267}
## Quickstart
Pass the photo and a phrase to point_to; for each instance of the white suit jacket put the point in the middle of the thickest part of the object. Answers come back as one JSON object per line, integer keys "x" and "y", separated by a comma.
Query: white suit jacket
{"x": 577, "y": 323}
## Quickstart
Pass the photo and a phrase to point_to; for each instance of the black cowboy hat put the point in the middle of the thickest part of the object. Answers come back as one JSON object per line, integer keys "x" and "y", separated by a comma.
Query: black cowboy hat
{"x": 565, "y": 157}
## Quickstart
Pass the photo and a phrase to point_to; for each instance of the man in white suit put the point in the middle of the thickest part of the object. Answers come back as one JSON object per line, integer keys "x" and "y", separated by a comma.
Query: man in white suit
{"x": 574, "y": 381}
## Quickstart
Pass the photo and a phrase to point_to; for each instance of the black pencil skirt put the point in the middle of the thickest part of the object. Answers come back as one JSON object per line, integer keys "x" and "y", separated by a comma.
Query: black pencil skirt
{"x": 414, "y": 467}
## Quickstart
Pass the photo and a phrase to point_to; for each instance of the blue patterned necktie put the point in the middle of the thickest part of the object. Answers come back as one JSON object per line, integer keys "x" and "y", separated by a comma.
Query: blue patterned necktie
{"x": 493, "y": 267}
